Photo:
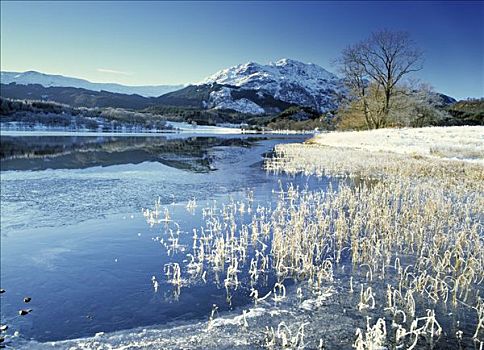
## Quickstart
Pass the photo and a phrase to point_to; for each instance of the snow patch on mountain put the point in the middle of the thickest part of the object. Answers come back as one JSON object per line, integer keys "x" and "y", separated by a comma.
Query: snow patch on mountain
{"x": 222, "y": 99}
{"x": 50, "y": 80}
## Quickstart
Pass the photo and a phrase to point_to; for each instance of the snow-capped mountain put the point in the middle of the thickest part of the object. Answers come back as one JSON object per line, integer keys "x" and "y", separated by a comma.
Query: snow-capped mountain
{"x": 49, "y": 80}
{"x": 249, "y": 88}
{"x": 289, "y": 81}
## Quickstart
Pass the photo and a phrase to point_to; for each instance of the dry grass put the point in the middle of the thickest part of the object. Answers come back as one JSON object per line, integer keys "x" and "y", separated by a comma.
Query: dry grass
{"x": 417, "y": 227}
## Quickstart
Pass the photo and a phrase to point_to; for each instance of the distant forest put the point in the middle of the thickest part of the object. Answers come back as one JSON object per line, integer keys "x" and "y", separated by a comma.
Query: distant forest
{"x": 35, "y": 114}
{"x": 25, "y": 114}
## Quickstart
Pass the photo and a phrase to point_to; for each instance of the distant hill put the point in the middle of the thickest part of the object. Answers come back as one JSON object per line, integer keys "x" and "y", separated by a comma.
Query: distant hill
{"x": 191, "y": 96}
{"x": 51, "y": 80}
{"x": 75, "y": 97}
{"x": 467, "y": 112}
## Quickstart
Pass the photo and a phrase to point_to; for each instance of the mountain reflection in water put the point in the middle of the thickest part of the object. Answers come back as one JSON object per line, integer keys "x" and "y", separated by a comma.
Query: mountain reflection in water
{"x": 79, "y": 152}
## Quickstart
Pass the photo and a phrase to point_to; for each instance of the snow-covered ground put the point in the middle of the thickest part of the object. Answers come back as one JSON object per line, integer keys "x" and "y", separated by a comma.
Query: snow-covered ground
{"x": 435, "y": 152}
{"x": 460, "y": 142}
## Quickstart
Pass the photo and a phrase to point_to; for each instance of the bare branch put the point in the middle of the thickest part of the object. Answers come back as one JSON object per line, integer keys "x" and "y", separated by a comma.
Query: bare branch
{"x": 382, "y": 61}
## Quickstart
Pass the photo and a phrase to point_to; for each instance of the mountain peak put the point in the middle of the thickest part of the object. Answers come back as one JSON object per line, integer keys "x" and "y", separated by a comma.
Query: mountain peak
{"x": 32, "y": 72}
{"x": 286, "y": 80}
{"x": 287, "y": 61}
{"x": 283, "y": 68}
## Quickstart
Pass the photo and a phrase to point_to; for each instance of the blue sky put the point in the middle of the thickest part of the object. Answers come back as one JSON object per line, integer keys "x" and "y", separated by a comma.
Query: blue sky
{"x": 140, "y": 43}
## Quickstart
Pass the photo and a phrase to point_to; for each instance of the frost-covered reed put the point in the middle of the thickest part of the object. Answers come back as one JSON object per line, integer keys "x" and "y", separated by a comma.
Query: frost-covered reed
{"x": 408, "y": 223}
{"x": 425, "y": 209}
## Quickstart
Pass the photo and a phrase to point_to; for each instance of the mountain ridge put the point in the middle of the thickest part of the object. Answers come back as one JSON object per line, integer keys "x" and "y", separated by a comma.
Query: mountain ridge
{"x": 57, "y": 80}
{"x": 249, "y": 88}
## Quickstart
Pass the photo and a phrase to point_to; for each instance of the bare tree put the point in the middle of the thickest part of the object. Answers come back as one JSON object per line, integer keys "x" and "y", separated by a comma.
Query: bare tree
{"x": 380, "y": 62}
{"x": 356, "y": 81}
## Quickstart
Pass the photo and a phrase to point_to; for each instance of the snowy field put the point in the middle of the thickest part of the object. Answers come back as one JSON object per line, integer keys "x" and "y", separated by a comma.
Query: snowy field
{"x": 461, "y": 142}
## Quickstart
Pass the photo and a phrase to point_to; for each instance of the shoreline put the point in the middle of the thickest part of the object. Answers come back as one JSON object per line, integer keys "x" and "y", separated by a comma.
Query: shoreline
{"x": 184, "y": 132}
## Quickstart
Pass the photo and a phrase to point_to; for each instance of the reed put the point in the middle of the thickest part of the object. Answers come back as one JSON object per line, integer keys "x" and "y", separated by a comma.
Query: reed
{"x": 412, "y": 224}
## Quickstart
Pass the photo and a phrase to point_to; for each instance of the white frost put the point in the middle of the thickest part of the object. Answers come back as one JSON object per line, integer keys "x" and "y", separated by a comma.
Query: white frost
{"x": 456, "y": 142}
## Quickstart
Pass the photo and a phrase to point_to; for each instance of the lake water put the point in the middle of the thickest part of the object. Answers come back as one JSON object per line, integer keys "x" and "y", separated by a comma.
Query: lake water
{"x": 75, "y": 240}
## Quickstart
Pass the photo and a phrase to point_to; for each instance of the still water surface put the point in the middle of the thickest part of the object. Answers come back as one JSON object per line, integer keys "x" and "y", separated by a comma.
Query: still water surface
{"x": 74, "y": 238}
